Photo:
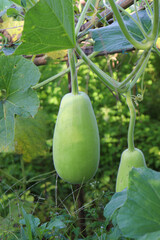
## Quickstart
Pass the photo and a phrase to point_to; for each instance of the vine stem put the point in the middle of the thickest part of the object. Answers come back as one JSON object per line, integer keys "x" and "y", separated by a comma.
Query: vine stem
{"x": 82, "y": 17}
{"x": 137, "y": 71}
{"x": 145, "y": 45}
{"x": 135, "y": 21}
{"x": 67, "y": 70}
{"x": 132, "y": 121}
{"x": 155, "y": 26}
{"x": 130, "y": 16}
{"x": 105, "y": 78}
{"x": 141, "y": 70}
{"x": 157, "y": 50}
{"x": 74, "y": 82}
{"x": 134, "y": 71}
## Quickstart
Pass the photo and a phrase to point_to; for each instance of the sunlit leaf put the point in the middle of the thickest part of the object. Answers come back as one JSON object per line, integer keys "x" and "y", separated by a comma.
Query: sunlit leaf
{"x": 49, "y": 26}
{"x": 14, "y": 28}
{"x": 57, "y": 54}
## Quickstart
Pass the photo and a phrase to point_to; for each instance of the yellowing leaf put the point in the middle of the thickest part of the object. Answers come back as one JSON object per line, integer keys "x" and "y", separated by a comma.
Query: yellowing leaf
{"x": 57, "y": 54}
{"x": 30, "y": 136}
{"x": 14, "y": 28}
{"x": 158, "y": 43}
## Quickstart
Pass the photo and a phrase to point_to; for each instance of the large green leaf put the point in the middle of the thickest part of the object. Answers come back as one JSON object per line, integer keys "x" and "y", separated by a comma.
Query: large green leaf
{"x": 48, "y": 26}
{"x": 151, "y": 236}
{"x": 111, "y": 38}
{"x": 116, "y": 202}
{"x": 17, "y": 75}
{"x": 140, "y": 215}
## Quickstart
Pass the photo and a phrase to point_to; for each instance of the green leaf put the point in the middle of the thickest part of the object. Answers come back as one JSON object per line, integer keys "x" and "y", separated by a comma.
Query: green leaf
{"x": 57, "y": 223}
{"x": 116, "y": 202}
{"x": 12, "y": 12}
{"x": 28, "y": 223}
{"x": 16, "y": 96}
{"x": 4, "y": 4}
{"x": 12, "y": 208}
{"x": 151, "y": 236}
{"x": 115, "y": 234}
{"x": 111, "y": 38}
{"x": 49, "y": 26}
{"x": 140, "y": 215}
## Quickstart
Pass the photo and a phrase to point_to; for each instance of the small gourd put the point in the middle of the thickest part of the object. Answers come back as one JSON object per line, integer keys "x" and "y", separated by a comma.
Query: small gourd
{"x": 129, "y": 159}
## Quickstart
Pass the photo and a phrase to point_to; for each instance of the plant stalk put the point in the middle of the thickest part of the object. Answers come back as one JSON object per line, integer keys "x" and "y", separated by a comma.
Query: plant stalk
{"x": 105, "y": 78}
{"x": 132, "y": 121}
{"x": 74, "y": 82}
{"x": 82, "y": 17}
{"x": 145, "y": 45}
{"x": 155, "y": 26}
{"x": 138, "y": 70}
{"x": 67, "y": 70}
{"x": 135, "y": 21}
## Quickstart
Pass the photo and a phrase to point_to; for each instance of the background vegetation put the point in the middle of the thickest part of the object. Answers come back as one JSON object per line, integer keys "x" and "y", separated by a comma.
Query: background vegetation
{"x": 28, "y": 182}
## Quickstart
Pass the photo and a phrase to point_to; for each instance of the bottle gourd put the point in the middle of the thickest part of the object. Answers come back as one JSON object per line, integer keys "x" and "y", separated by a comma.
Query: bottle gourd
{"x": 76, "y": 144}
{"x": 129, "y": 159}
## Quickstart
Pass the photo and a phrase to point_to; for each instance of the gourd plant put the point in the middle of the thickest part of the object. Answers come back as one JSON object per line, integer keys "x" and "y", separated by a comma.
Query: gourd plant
{"x": 76, "y": 139}
{"x": 76, "y": 119}
{"x": 132, "y": 157}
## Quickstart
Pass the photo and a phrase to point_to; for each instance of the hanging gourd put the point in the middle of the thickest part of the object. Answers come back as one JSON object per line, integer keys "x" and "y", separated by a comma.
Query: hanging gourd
{"x": 76, "y": 144}
{"x": 131, "y": 157}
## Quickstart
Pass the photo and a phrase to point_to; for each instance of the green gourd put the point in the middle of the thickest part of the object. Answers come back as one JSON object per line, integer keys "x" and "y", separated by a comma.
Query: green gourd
{"x": 131, "y": 157}
{"x": 76, "y": 144}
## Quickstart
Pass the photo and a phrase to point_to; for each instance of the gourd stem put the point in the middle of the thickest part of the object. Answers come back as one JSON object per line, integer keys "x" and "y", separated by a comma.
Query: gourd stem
{"x": 140, "y": 71}
{"x": 82, "y": 17}
{"x": 67, "y": 70}
{"x": 137, "y": 71}
{"x": 138, "y": 23}
{"x": 74, "y": 82}
{"x": 132, "y": 121}
{"x": 105, "y": 78}
{"x": 157, "y": 50}
{"x": 134, "y": 71}
{"x": 155, "y": 25}
{"x": 145, "y": 45}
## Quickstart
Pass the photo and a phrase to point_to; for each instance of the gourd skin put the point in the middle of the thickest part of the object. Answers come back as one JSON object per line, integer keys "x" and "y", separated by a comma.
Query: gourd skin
{"x": 129, "y": 159}
{"x": 76, "y": 144}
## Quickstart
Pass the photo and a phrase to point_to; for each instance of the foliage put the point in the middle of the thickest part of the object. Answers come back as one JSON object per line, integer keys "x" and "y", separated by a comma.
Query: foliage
{"x": 30, "y": 138}
{"x": 34, "y": 202}
{"x": 16, "y": 96}
{"x": 47, "y": 16}
{"x": 135, "y": 210}
{"x": 112, "y": 115}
